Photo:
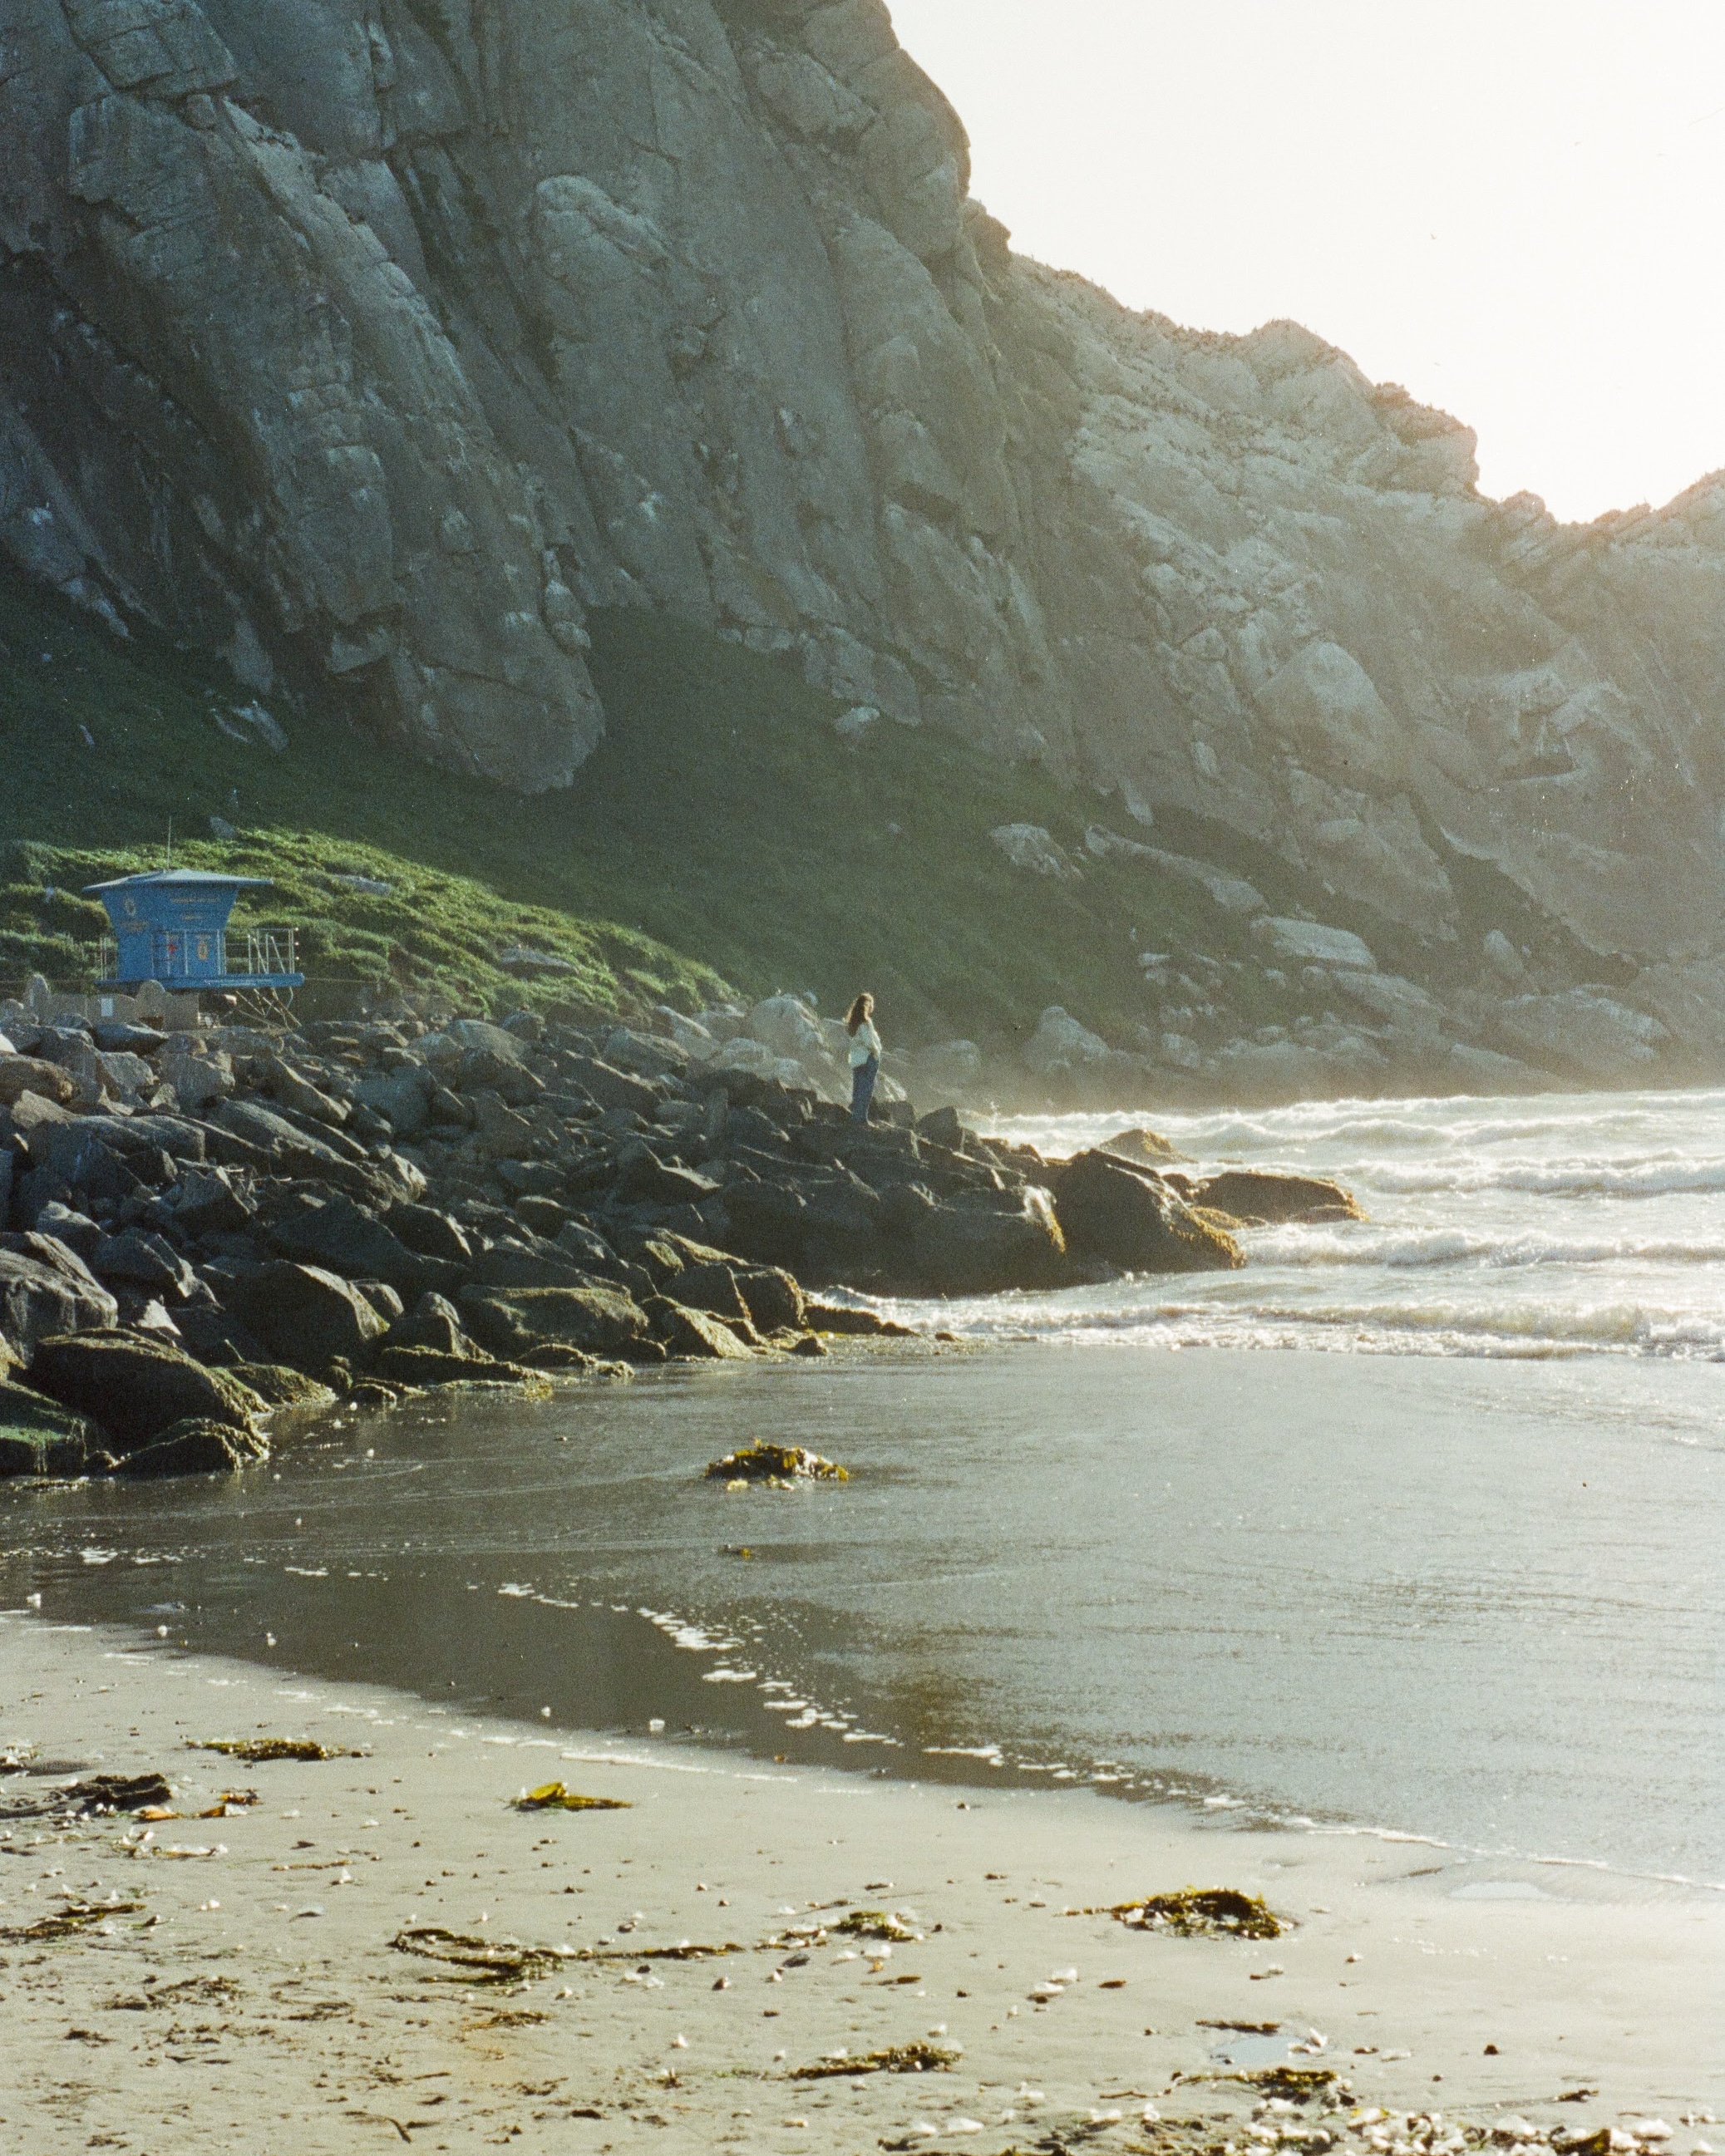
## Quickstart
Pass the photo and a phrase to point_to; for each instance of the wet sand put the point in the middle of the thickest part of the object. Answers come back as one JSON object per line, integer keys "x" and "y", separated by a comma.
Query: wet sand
{"x": 254, "y": 2000}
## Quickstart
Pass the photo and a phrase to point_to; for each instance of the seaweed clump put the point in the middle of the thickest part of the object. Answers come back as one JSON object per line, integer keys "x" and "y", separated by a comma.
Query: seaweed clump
{"x": 1201, "y": 1912}
{"x": 917, "y": 2058}
{"x": 257, "y": 1751}
{"x": 553, "y": 1796}
{"x": 876, "y": 1924}
{"x": 777, "y": 1466}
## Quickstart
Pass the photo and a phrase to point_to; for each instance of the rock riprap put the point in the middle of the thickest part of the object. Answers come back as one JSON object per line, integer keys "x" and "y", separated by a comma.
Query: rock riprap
{"x": 174, "y": 1284}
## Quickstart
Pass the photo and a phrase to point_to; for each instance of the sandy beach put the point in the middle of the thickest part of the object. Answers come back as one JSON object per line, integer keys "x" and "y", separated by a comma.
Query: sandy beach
{"x": 245, "y": 1991}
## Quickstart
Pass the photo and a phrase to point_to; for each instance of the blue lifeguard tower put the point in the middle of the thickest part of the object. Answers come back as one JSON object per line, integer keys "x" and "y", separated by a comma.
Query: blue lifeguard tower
{"x": 171, "y": 926}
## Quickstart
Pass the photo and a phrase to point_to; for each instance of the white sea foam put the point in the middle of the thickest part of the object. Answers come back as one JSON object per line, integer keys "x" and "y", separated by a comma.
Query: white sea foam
{"x": 1567, "y": 1223}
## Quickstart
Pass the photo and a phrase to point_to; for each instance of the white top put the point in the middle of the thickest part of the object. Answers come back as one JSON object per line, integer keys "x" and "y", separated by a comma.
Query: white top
{"x": 864, "y": 1042}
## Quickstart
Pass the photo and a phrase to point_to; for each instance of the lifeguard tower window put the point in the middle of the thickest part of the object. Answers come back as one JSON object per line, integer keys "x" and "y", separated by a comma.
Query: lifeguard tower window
{"x": 172, "y": 926}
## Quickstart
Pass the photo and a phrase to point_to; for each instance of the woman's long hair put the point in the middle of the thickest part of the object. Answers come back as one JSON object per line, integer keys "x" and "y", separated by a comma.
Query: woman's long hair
{"x": 863, "y": 1007}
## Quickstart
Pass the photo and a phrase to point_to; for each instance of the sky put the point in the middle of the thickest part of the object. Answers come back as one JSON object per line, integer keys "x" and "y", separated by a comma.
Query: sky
{"x": 1513, "y": 207}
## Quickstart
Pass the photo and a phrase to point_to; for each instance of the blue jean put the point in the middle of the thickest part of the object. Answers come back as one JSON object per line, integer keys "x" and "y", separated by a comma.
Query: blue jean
{"x": 862, "y": 1087}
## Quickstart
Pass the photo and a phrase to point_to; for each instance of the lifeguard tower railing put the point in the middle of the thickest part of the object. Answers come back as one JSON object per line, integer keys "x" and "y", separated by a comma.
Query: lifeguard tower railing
{"x": 271, "y": 959}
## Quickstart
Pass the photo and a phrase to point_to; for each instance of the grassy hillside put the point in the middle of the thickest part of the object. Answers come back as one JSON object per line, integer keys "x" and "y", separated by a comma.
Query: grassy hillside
{"x": 723, "y": 833}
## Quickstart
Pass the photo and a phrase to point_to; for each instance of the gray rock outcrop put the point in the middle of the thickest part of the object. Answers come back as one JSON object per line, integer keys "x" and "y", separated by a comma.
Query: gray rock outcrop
{"x": 374, "y": 343}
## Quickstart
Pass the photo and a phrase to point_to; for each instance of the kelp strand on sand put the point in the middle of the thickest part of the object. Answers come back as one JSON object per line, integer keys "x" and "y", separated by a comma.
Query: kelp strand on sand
{"x": 95, "y": 1795}
{"x": 258, "y": 1751}
{"x": 1199, "y": 1913}
{"x": 76, "y": 1919}
{"x": 508, "y": 1961}
{"x": 553, "y": 1796}
{"x": 917, "y": 2058}
{"x": 481, "y": 1961}
{"x": 776, "y": 1466}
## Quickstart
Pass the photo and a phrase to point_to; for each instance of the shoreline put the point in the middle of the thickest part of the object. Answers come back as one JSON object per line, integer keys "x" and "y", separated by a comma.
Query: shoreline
{"x": 282, "y": 2013}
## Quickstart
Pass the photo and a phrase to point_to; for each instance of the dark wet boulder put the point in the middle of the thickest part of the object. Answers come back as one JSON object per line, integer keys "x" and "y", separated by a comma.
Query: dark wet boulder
{"x": 942, "y": 1126}
{"x": 195, "y": 1447}
{"x": 1133, "y": 1218}
{"x": 307, "y": 1316}
{"x": 431, "y": 1232}
{"x": 139, "y": 1259}
{"x": 514, "y": 1265}
{"x": 610, "y": 1087}
{"x": 136, "y": 1389}
{"x": 217, "y": 1336}
{"x": 432, "y": 1323}
{"x": 713, "y": 1288}
{"x": 543, "y": 1214}
{"x": 520, "y": 1325}
{"x": 37, "y": 1436}
{"x": 349, "y": 1238}
{"x": 1267, "y": 1197}
{"x": 773, "y": 1297}
{"x": 78, "y": 1232}
{"x": 208, "y": 1202}
{"x": 644, "y": 1179}
{"x": 427, "y": 1366}
{"x": 693, "y": 1335}
{"x": 983, "y": 1242}
{"x": 41, "y": 1296}
{"x": 401, "y": 1096}
{"x": 852, "y": 1322}
{"x": 585, "y": 1246}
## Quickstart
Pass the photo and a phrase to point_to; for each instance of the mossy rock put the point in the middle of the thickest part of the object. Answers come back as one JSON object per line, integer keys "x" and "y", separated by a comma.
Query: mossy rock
{"x": 137, "y": 1389}
{"x": 196, "y": 1446}
{"x": 39, "y": 1437}
{"x": 277, "y": 1386}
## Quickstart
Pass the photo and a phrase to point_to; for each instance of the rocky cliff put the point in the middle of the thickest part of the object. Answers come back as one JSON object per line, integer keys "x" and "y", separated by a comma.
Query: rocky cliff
{"x": 376, "y": 342}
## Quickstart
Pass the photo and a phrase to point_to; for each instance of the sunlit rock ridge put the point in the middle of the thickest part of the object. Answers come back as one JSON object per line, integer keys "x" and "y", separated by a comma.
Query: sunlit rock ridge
{"x": 374, "y": 343}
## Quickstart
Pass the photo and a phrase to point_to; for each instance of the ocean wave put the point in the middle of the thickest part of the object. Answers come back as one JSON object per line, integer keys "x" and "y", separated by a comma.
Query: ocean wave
{"x": 1435, "y": 1326}
{"x": 1657, "y": 1176}
{"x": 1411, "y": 1248}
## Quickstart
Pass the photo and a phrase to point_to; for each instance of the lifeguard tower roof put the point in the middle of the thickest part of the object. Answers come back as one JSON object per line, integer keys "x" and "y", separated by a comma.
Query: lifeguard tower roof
{"x": 171, "y": 926}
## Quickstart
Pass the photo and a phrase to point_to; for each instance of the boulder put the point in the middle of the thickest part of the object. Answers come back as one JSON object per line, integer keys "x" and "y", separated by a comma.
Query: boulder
{"x": 136, "y": 1389}
{"x": 713, "y": 1288}
{"x": 402, "y": 1096}
{"x": 433, "y": 1233}
{"x": 1147, "y": 1149}
{"x": 1263, "y": 1197}
{"x": 29, "y": 1074}
{"x": 1061, "y": 1043}
{"x": 1584, "y": 1031}
{"x": 519, "y": 1325}
{"x": 694, "y": 1335}
{"x": 1131, "y": 1218}
{"x": 280, "y": 1386}
{"x": 432, "y": 1323}
{"x": 137, "y": 1259}
{"x": 983, "y": 1242}
{"x": 648, "y": 1055}
{"x": 428, "y": 1366}
{"x": 308, "y": 1317}
{"x": 1029, "y": 847}
{"x": 208, "y": 1202}
{"x": 41, "y": 1297}
{"x": 787, "y": 1026}
{"x": 37, "y": 1436}
{"x": 1311, "y": 943}
{"x": 347, "y": 1239}
{"x": 610, "y": 1087}
{"x": 773, "y": 1297}
{"x": 195, "y": 1447}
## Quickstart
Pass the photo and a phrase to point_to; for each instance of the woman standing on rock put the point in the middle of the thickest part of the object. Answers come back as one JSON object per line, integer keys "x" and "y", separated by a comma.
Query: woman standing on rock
{"x": 864, "y": 1055}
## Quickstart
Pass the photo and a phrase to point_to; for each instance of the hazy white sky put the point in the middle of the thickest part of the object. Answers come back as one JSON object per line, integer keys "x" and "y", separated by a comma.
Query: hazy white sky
{"x": 1512, "y": 206}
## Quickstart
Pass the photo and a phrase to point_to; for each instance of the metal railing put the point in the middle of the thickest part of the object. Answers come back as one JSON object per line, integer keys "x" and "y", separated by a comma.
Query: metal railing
{"x": 268, "y": 951}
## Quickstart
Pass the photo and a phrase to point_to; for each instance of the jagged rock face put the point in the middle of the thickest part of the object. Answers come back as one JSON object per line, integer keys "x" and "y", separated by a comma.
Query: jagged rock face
{"x": 373, "y": 341}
